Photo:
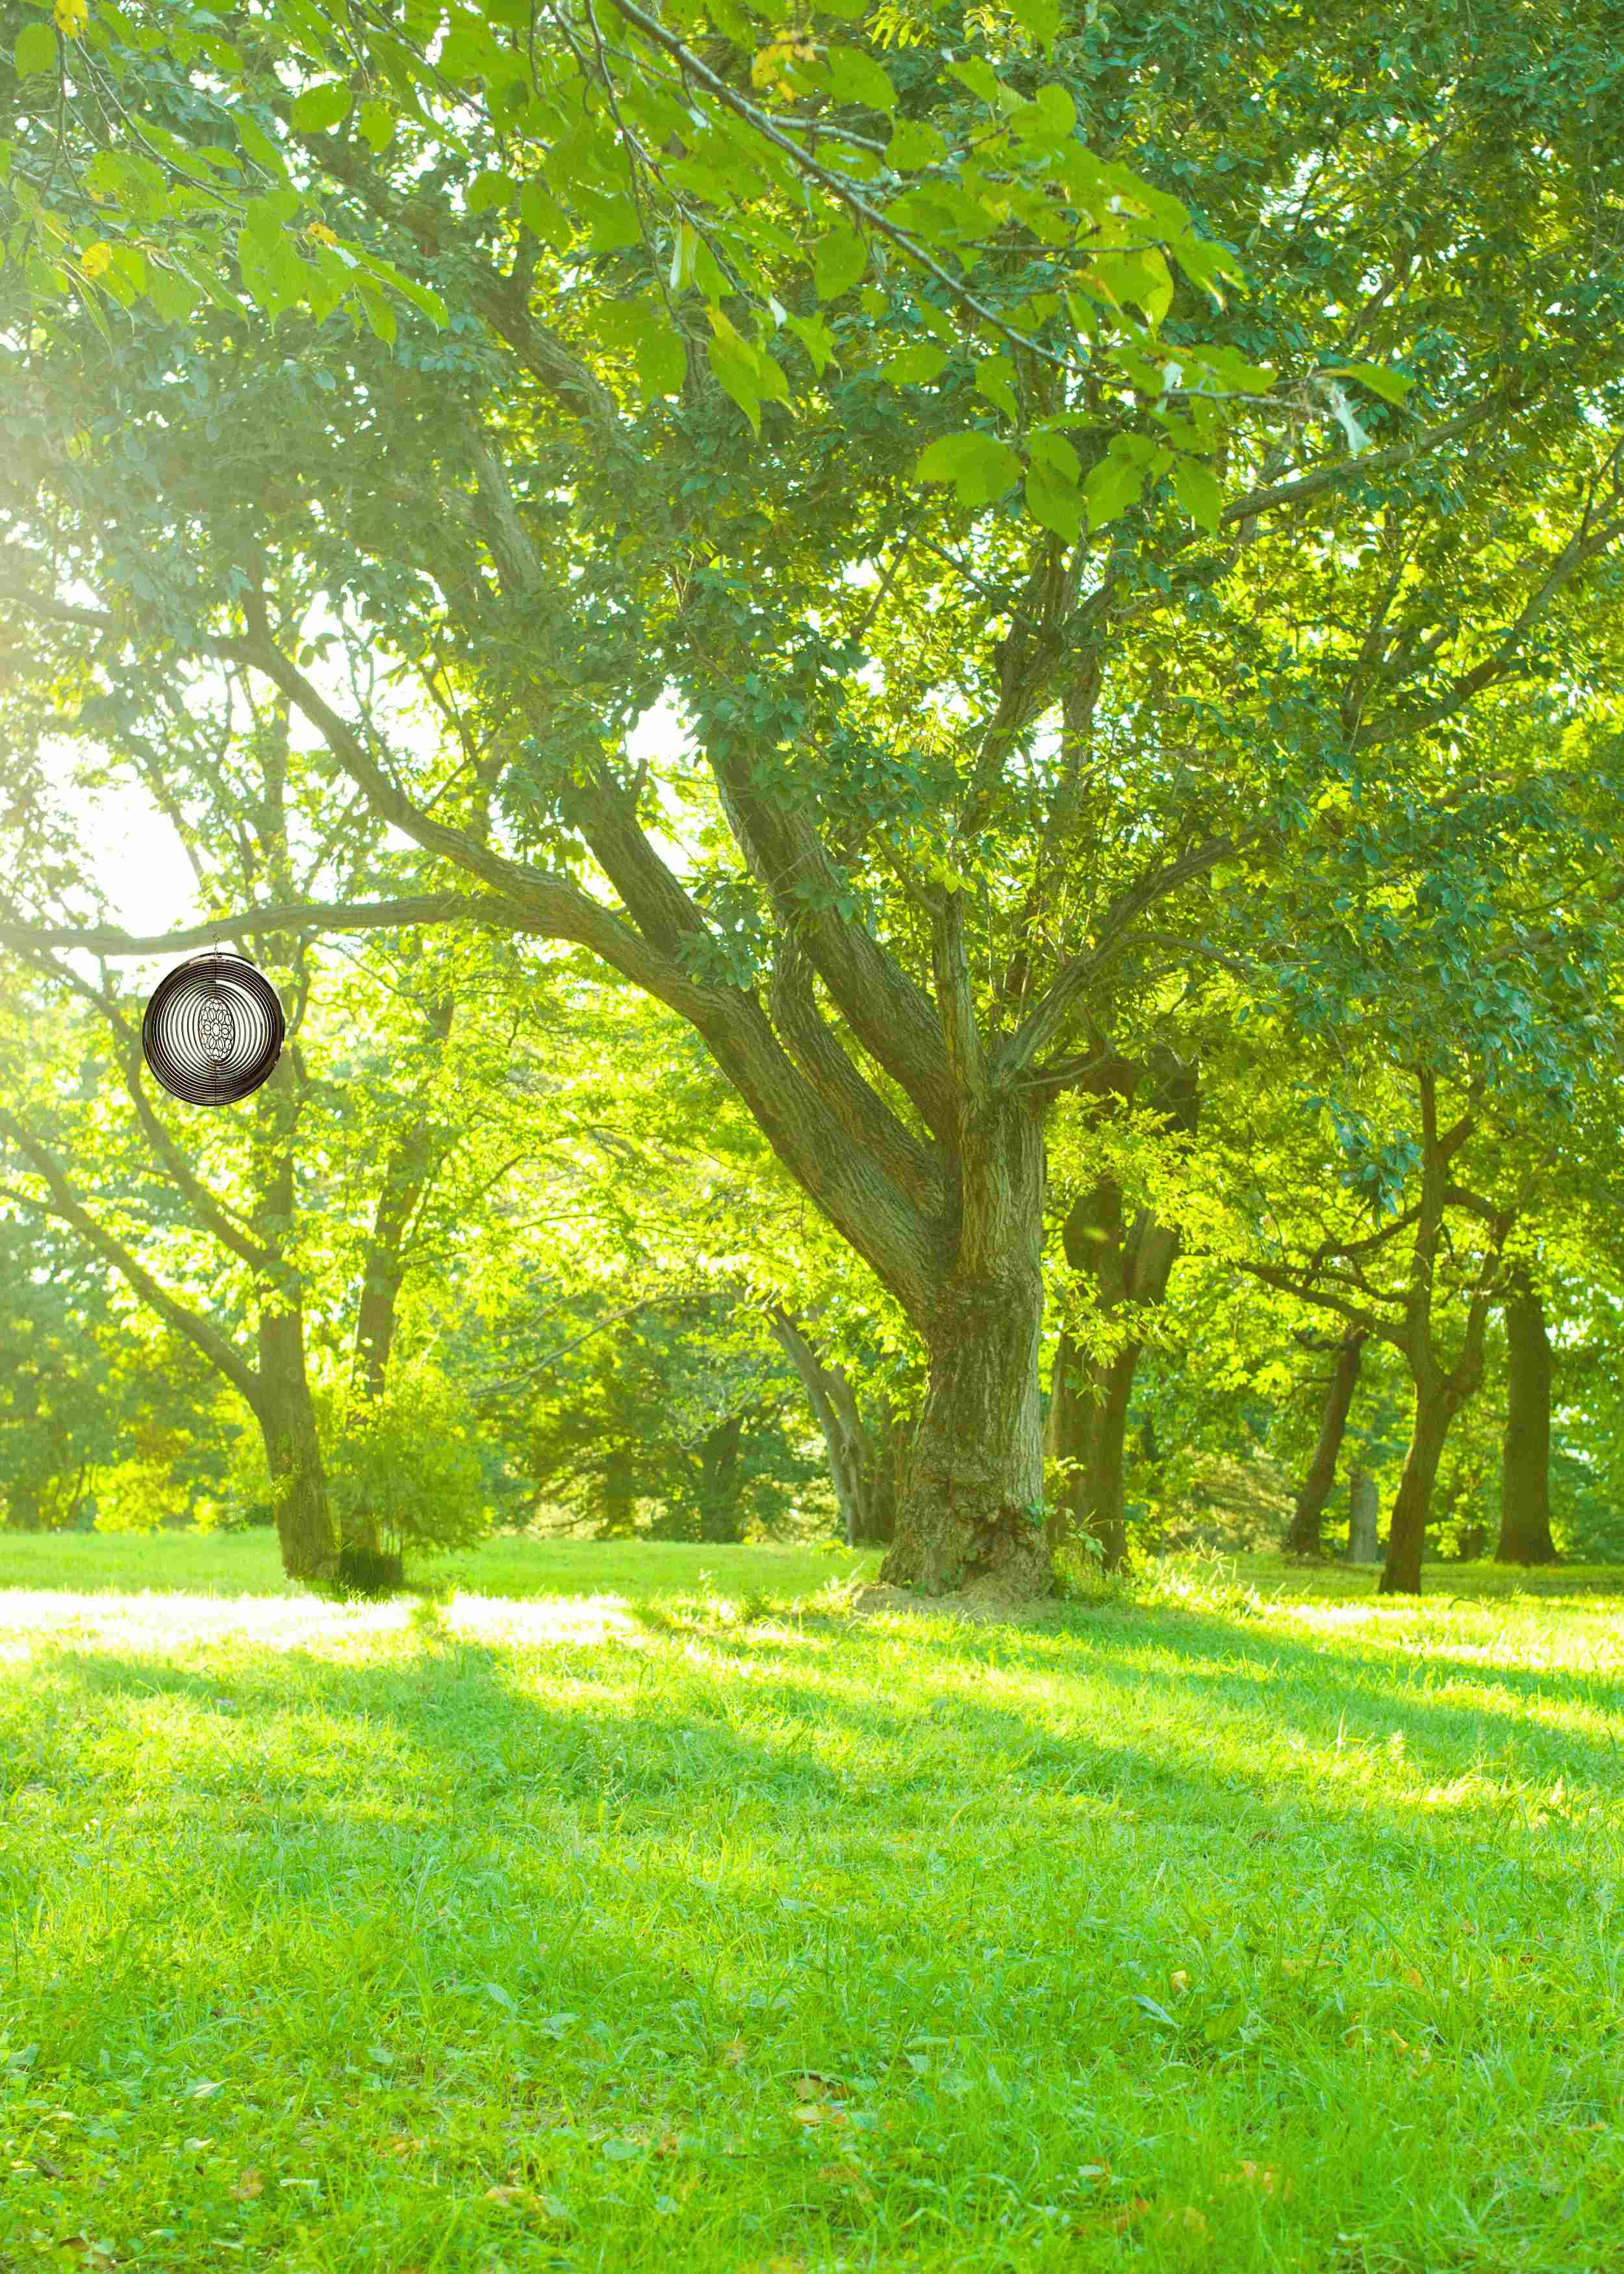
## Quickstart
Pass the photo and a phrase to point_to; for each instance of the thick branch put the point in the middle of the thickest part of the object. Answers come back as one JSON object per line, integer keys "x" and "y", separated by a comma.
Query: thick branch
{"x": 65, "y": 1203}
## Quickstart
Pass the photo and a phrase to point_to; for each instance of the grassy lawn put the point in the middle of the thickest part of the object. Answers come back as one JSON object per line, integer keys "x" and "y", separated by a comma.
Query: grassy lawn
{"x": 590, "y": 1922}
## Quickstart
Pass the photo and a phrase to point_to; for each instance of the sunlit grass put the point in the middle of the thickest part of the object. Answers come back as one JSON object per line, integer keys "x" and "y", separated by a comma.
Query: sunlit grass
{"x": 640, "y": 1926}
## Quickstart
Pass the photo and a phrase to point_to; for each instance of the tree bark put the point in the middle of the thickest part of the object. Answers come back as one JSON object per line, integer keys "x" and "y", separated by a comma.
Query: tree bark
{"x": 287, "y": 1417}
{"x": 720, "y": 1482}
{"x": 1437, "y": 1403}
{"x": 1088, "y": 1432}
{"x": 1525, "y": 1456}
{"x": 1363, "y": 1509}
{"x": 862, "y": 1463}
{"x": 1128, "y": 1263}
{"x": 620, "y": 1518}
{"x": 1303, "y": 1538}
{"x": 971, "y": 1511}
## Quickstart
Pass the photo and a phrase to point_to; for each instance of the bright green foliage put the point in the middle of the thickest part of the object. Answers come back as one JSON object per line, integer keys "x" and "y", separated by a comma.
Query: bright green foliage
{"x": 160, "y": 162}
{"x": 654, "y": 1933}
{"x": 408, "y": 1459}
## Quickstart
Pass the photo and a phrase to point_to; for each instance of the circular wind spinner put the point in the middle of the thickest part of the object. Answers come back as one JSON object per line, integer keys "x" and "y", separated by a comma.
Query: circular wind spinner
{"x": 213, "y": 1030}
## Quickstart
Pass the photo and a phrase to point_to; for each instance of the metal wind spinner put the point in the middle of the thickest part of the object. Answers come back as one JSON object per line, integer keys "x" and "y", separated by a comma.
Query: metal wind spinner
{"x": 213, "y": 1030}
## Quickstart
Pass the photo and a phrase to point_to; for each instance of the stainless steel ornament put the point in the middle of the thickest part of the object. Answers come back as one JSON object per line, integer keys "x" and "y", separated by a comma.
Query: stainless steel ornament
{"x": 213, "y": 1030}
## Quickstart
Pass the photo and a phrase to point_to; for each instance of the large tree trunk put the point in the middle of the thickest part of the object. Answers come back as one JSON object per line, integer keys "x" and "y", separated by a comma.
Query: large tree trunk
{"x": 1436, "y": 1407}
{"x": 1303, "y": 1538}
{"x": 862, "y": 1461}
{"x": 1525, "y": 1459}
{"x": 971, "y": 1516}
{"x": 287, "y": 1418}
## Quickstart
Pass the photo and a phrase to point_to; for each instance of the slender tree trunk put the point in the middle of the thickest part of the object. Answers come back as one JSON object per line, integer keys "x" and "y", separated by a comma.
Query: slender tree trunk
{"x": 1363, "y": 1511}
{"x": 1303, "y": 1538}
{"x": 861, "y": 1461}
{"x": 971, "y": 1514}
{"x": 1129, "y": 1262}
{"x": 287, "y": 1418}
{"x": 1088, "y": 1433}
{"x": 1525, "y": 1458}
{"x": 1436, "y": 1406}
{"x": 406, "y": 1173}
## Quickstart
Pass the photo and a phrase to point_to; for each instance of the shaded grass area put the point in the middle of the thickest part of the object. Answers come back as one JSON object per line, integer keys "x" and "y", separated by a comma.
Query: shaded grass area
{"x": 1214, "y": 1929}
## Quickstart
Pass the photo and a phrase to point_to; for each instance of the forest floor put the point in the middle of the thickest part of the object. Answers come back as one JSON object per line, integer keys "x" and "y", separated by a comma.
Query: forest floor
{"x": 640, "y": 1909}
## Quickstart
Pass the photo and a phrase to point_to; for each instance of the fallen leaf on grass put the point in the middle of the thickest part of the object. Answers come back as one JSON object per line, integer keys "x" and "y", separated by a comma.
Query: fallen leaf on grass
{"x": 1110, "y": 2222}
{"x": 507, "y": 2195}
{"x": 250, "y": 2184}
{"x": 809, "y": 2085}
{"x": 1264, "y": 2177}
{"x": 1190, "y": 2219}
{"x": 1180, "y": 1982}
{"x": 819, "y": 2112}
{"x": 735, "y": 2052}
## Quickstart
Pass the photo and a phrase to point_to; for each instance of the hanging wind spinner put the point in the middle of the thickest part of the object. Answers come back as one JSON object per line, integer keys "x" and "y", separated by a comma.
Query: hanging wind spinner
{"x": 213, "y": 1030}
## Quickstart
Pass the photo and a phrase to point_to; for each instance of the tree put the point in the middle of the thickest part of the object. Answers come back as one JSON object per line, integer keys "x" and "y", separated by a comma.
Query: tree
{"x": 1121, "y": 1260}
{"x": 961, "y": 780}
{"x": 1302, "y": 1539}
{"x": 865, "y": 1439}
{"x": 1525, "y": 1466}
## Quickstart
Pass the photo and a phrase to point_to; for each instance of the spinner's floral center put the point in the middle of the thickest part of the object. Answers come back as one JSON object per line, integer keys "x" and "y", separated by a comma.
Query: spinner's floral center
{"x": 216, "y": 1028}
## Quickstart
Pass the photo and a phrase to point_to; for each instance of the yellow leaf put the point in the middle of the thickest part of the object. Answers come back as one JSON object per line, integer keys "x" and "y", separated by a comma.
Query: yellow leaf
{"x": 70, "y": 17}
{"x": 1179, "y": 1981}
{"x": 250, "y": 2184}
{"x": 97, "y": 259}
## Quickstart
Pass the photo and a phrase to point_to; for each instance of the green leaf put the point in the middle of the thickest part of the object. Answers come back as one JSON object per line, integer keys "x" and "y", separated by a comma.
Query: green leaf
{"x": 488, "y": 190}
{"x": 735, "y": 374}
{"x": 376, "y": 121}
{"x": 856, "y": 78}
{"x": 995, "y": 378}
{"x": 380, "y": 314}
{"x": 1053, "y": 451}
{"x": 837, "y": 260}
{"x": 1050, "y": 118}
{"x": 1113, "y": 485}
{"x": 979, "y": 466}
{"x": 815, "y": 336}
{"x": 1195, "y": 485}
{"x": 914, "y": 144}
{"x": 544, "y": 216}
{"x": 1055, "y": 502}
{"x": 1041, "y": 17}
{"x": 915, "y": 366}
{"x": 258, "y": 144}
{"x": 35, "y": 52}
{"x": 979, "y": 77}
{"x": 1391, "y": 385}
{"x": 321, "y": 107}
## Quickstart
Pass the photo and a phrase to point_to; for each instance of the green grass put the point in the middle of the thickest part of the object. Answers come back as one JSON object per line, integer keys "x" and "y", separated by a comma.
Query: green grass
{"x": 248, "y": 1563}
{"x": 1218, "y": 1928}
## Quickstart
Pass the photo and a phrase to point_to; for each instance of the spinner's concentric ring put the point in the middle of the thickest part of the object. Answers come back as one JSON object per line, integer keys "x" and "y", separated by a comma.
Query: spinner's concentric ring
{"x": 213, "y": 1030}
